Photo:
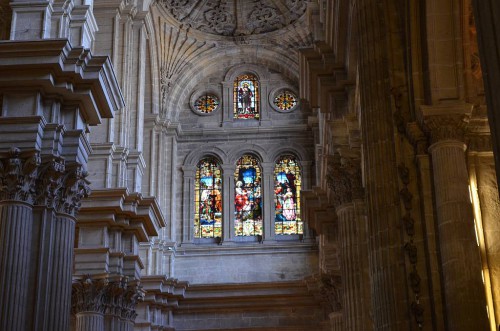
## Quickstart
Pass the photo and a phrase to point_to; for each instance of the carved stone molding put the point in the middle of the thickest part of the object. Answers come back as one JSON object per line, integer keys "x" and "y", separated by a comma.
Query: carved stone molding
{"x": 344, "y": 180}
{"x": 88, "y": 295}
{"x": 18, "y": 172}
{"x": 417, "y": 138}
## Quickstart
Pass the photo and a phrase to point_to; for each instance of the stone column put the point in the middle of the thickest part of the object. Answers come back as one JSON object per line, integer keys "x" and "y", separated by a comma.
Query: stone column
{"x": 121, "y": 297}
{"x": 88, "y": 303}
{"x": 17, "y": 181}
{"x": 345, "y": 183}
{"x": 487, "y": 15}
{"x": 464, "y": 296}
{"x": 390, "y": 300}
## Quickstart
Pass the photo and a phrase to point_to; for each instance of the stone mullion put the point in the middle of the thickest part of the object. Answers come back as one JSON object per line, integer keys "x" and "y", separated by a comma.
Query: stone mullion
{"x": 464, "y": 297}
{"x": 228, "y": 203}
{"x": 268, "y": 201}
{"x": 389, "y": 297}
{"x": 16, "y": 222}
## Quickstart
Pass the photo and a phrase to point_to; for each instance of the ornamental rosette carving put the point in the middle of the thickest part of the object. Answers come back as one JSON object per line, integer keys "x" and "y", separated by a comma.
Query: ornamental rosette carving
{"x": 74, "y": 188}
{"x": 18, "y": 172}
{"x": 344, "y": 180}
{"x": 49, "y": 181}
{"x": 88, "y": 295}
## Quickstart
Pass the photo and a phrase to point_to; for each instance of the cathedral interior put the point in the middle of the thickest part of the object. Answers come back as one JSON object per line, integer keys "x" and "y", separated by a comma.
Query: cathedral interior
{"x": 264, "y": 165}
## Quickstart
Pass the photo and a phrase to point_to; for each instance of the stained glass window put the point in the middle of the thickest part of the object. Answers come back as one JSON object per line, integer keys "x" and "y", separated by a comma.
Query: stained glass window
{"x": 287, "y": 196}
{"x": 248, "y": 198}
{"x": 208, "y": 200}
{"x": 246, "y": 97}
{"x": 285, "y": 100}
{"x": 206, "y": 104}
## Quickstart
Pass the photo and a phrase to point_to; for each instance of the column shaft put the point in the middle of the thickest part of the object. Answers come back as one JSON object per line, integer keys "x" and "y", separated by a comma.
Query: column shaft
{"x": 89, "y": 322}
{"x": 465, "y": 301}
{"x": 16, "y": 222}
{"x": 353, "y": 261}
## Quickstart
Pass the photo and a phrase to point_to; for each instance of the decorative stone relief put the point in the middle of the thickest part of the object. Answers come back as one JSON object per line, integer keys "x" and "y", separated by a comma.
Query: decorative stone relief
{"x": 18, "y": 172}
{"x": 344, "y": 180}
{"x": 236, "y": 18}
{"x": 331, "y": 290}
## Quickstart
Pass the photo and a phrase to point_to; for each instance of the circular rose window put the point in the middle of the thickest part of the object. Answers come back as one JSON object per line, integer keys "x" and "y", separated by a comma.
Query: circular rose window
{"x": 206, "y": 104}
{"x": 285, "y": 100}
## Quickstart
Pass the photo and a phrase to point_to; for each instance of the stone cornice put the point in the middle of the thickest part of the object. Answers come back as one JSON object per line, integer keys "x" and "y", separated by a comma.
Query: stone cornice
{"x": 55, "y": 67}
{"x": 143, "y": 214}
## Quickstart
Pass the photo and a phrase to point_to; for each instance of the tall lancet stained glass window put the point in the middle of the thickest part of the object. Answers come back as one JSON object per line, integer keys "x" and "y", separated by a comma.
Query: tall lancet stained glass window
{"x": 287, "y": 196}
{"x": 247, "y": 198}
{"x": 208, "y": 199}
{"x": 246, "y": 97}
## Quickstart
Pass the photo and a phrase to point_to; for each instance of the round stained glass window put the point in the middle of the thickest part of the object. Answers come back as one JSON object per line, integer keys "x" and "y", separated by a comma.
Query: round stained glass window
{"x": 206, "y": 104}
{"x": 285, "y": 100}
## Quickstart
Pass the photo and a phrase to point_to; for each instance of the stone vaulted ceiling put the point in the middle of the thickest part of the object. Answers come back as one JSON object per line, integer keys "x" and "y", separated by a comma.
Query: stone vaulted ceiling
{"x": 236, "y": 17}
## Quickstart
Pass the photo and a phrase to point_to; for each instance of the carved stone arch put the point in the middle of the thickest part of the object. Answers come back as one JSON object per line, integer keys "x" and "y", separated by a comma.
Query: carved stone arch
{"x": 195, "y": 156}
{"x": 294, "y": 149}
{"x": 236, "y": 153}
{"x": 259, "y": 71}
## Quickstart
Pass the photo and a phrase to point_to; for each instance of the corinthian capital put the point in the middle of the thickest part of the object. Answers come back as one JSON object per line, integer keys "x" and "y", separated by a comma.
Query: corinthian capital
{"x": 448, "y": 122}
{"x": 88, "y": 295}
{"x": 49, "y": 181}
{"x": 18, "y": 172}
{"x": 74, "y": 188}
{"x": 122, "y": 297}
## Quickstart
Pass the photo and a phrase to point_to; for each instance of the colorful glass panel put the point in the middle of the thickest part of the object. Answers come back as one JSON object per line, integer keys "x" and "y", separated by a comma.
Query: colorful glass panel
{"x": 248, "y": 198}
{"x": 208, "y": 200}
{"x": 287, "y": 186}
{"x": 206, "y": 103}
{"x": 285, "y": 100}
{"x": 246, "y": 97}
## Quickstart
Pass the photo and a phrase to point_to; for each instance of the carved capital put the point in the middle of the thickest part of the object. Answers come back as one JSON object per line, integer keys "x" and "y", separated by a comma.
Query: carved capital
{"x": 344, "y": 180}
{"x": 74, "y": 188}
{"x": 446, "y": 127}
{"x": 49, "y": 181}
{"x": 122, "y": 297}
{"x": 88, "y": 295}
{"x": 18, "y": 172}
{"x": 417, "y": 138}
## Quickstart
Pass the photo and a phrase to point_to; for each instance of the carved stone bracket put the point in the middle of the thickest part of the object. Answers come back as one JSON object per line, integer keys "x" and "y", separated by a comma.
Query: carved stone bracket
{"x": 88, "y": 295}
{"x": 18, "y": 172}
